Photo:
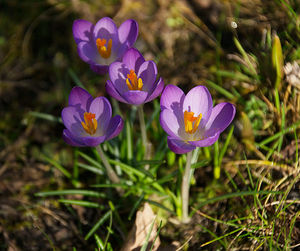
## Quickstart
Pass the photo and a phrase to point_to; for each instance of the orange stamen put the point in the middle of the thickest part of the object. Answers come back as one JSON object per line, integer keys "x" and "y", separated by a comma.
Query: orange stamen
{"x": 104, "y": 51}
{"x": 133, "y": 82}
{"x": 90, "y": 123}
{"x": 191, "y": 123}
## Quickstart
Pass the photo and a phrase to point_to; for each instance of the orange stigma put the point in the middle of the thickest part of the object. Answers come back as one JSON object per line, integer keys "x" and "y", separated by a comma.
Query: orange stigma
{"x": 104, "y": 51}
{"x": 191, "y": 123}
{"x": 90, "y": 123}
{"x": 134, "y": 83}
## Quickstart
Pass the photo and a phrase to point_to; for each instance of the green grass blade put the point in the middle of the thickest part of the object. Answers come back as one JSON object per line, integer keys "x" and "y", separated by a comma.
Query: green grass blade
{"x": 160, "y": 206}
{"x": 82, "y": 203}
{"x": 220, "y": 89}
{"x": 91, "y": 160}
{"x": 71, "y": 192}
{"x": 224, "y": 148}
{"x": 75, "y": 78}
{"x": 97, "y": 225}
{"x": 46, "y": 116}
{"x": 91, "y": 168}
{"x": 233, "y": 195}
{"x": 277, "y": 135}
{"x": 148, "y": 236}
{"x": 99, "y": 242}
{"x": 136, "y": 205}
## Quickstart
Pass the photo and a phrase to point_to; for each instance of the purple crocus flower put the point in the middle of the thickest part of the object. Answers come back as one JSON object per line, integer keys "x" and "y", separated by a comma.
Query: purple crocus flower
{"x": 88, "y": 121}
{"x": 103, "y": 43}
{"x": 133, "y": 81}
{"x": 191, "y": 120}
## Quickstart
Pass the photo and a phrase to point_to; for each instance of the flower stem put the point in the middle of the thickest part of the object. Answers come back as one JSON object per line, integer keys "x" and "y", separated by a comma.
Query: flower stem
{"x": 110, "y": 171}
{"x": 143, "y": 127}
{"x": 185, "y": 187}
{"x": 147, "y": 148}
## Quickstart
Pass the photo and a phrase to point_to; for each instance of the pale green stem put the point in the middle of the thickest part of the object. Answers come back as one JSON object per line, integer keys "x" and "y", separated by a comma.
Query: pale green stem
{"x": 110, "y": 171}
{"x": 143, "y": 127}
{"x": 185, "y": 187}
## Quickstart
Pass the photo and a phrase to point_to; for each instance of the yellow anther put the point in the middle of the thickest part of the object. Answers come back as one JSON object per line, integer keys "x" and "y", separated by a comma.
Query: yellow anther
{"x": 90, "y": 123}
{"x": 133, "y": 82}
{"x": 191, "y": 123}
{"x": 104, "y": 51}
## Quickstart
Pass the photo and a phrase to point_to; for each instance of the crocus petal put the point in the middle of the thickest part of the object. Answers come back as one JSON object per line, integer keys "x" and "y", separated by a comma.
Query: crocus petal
{"x": 105, "y": 28}
{"x": 220, "y": 118}
{"x": 135, "y": 97}
{"x": 71, "y": 118}
{"x": 170, "y": 123}
{"x": 110, "y": 88}
{"x": 82, "y": 30}
{"x": 70, "y": 139}
{"x": 118, "y": 73}
{"x": 206, "y": 142}
{"x": 133, "y": 59}
{"x": 88, "y": 52}
{"x": 93, "y": 141}
{"x": 128, "y": 32}
{"x": 80, "y": 98}
{"x": 172, "y": 98}
{"x": 101, "y": 107}
{"x": 157, "y": 89}
{"x": 198, "y": 100}
{"x": 115, "y": 127}
{"x": 179, "y": 146}
{"x": 99, "y": 69}
{"x": 147, "y": 73}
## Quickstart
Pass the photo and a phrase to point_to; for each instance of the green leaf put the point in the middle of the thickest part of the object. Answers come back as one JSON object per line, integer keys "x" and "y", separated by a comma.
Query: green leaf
{"x": 81, "y": 203}
{"x": 97, "y": 225}
{"x": 277, "y": 61}
{"x": 72, "y": 192}
{"x": 46, "y": 116}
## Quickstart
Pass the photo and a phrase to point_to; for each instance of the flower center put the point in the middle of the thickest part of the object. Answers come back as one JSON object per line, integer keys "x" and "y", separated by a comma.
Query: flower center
{"x": 104, "y": 51}
{"x": 191, "y": 123}
{"x": 90, "y": 123}
{"x": 133, "y": 82}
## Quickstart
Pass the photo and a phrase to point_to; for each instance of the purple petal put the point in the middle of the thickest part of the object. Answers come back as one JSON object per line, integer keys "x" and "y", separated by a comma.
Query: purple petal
{"x": 170, "y": 123}
{"x": 70, "y": 139}
{"x": 133, "y": 59}
{"x": 128, "y": 32}
{"x": 101, "y": 107}
{"x": 157, "y": 89}
{"x": 93, "y": 141}
{"x": 88, "y": 52}
{"x": 80, "y": 98}
{"x": 147, "y": 73}
{"x": 135, "y": 97}
{"x": 82, "y": 30}
{"x": 172, "y": 98}
{"x": 198, "y": 100}
{"x": 179, "y": 146}
{"x": 118, "y": 73}
{"x": 99, "y": 69}
{"x": 110, "y": 88}
{"x": 71, "y": 117}
{"x": 105, "y": 28}
{"x": 206, "y": 142}
{"x": 220, "y": 118}
{"x": 115, "y": 127}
